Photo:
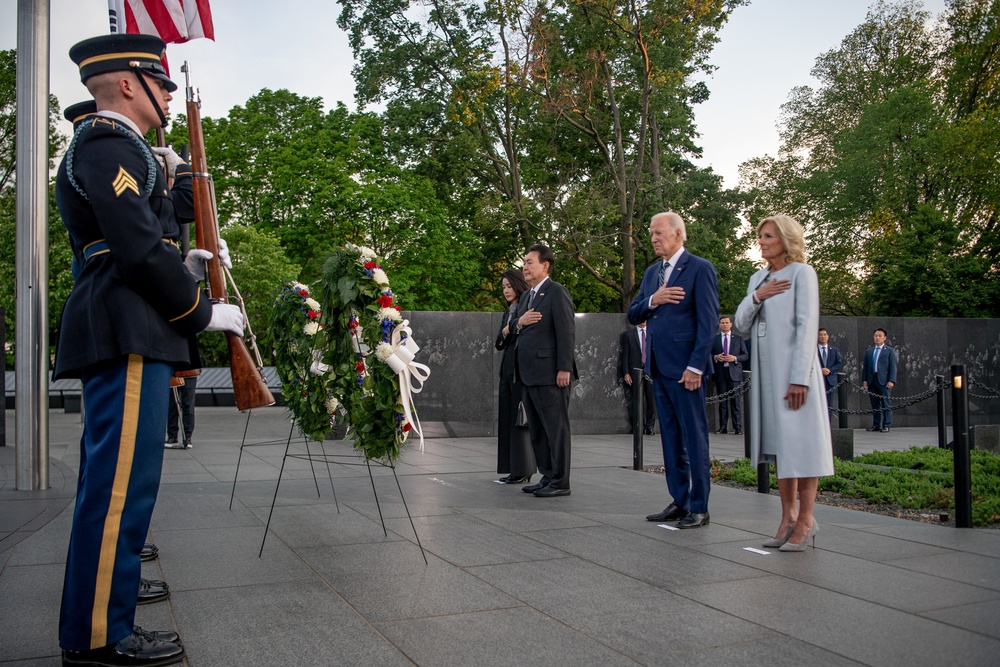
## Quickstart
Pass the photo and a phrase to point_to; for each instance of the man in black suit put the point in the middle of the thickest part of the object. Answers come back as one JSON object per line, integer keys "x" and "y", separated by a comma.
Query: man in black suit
{"x": 546, "y": 331}
{"x": 632, "y": 354}
{"x": 831, "y": 363}
{"x": 728, "y": 356}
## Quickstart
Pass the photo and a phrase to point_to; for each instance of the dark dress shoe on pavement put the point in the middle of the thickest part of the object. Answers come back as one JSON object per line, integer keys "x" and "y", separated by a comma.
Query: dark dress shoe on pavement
{"x": 549, "y": 492}
{"x": 884, "y": 430}
{"x": 722, "y": 430}
{"x": 648, "y": 431}
{"x": 872, "y": 428}
{"x": 531, "y": 488}
{"x": 158, "y": 635}
{"x": 149, "y": 552}
{"x": 672, "y": 513}
{"x": 504, "y": 479}
{"x": 152, "y": 590}
{"x": 693, "y": 520}
{"x": 738, "y": 431}
{"x": 136, "y": 650}
{"x": 173, "y": 444}
{"x": 518, "y": 480}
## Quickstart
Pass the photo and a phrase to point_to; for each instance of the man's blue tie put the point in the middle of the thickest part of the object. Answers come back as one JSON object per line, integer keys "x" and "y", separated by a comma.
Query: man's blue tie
{"x": 663, "y": 273}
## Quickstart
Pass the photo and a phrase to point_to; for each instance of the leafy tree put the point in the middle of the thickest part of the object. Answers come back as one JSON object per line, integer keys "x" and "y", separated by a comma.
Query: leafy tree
{"x": 572, "y": 120}
{"x": 60, "y": 279}
{"x": 898, "y": 145}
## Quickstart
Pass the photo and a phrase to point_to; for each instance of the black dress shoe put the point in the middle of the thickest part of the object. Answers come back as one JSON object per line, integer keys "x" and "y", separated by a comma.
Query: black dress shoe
{"x": 738, "y": 431}
{"x": 693, "y": 520}
{"x": 504, "y": 479}
{"x": 884, "y": 429}
{"x": 722, "y": 430}
{"x": 149, "y": 552}
{"x": 152, "y": 590}
{"x": 671, "y": 513}
{"x": 135, "y": 650}
{"x": 531, "y": 488}
{"x": 518, "y": 480}
{"x": 549, "y": 492}
{"x": 158, "y": 635}
{"x": 648, "y": 431}
{"x": 872, "y": 428}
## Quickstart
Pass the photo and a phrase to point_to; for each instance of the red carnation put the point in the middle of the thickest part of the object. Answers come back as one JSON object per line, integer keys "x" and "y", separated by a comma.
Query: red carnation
{"x": 385, "y": 301}
{"x": 398, "y": 309}
{"x": 407, "y": 427}
{"x": 369, "y": 265}
{"x": 353, "y": 324}
{"x": 312, "y": 314}
{"x": 361, "y": 366}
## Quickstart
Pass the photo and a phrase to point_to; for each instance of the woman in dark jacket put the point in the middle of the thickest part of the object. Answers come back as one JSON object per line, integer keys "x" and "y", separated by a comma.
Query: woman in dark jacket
{"x": 514, "y": 454}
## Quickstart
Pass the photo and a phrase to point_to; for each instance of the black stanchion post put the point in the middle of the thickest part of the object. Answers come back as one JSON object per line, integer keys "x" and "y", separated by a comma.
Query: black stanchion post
{"x": 942, "y": 427}
{"x": 637, "y": 417}
{"x": 746, "y": 417}
{"x": 841, "y": 400}
{"x": 960, "y": 433}
{"x": 763, "y": 478}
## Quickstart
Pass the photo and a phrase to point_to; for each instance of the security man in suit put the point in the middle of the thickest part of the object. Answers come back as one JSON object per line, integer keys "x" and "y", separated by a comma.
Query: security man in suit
{"x": 878, "y": 377}
{"x": 632, "y": 348}
{"x": 729, "y": 353}
{"x": 679, "y": 300}
{"x": 124, "y": 330}
{"x": 831, "y": 363}
{"x": 545, "y": 365}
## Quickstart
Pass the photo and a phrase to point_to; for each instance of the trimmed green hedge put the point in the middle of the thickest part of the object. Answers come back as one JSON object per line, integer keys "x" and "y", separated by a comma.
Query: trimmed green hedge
{"x": 918, "y": 478}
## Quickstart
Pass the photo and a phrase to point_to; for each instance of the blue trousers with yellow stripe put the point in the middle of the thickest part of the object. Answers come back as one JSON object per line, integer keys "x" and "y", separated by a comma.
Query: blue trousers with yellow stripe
{"x": 121, "y": 456}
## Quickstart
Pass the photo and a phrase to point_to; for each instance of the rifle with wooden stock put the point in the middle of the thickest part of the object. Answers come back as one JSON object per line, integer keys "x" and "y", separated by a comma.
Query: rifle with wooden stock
{"x": 249, "y": 385}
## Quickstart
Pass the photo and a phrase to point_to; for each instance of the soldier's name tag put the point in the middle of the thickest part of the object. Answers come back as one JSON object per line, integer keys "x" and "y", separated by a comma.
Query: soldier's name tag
{"x": 761, "y": 329}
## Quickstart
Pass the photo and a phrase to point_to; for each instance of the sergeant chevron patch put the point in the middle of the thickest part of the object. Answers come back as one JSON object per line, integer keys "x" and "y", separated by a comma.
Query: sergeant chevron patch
{"x": 125, "y": 181}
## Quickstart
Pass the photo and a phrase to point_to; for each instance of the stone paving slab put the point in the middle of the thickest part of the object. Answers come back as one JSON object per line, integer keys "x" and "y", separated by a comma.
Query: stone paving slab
{"x": 510, "y": 579}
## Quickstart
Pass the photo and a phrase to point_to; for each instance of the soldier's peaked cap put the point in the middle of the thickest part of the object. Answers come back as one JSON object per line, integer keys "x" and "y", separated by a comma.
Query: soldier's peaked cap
{"x": 74, "y": 113}
{"x": 118, "y": 52}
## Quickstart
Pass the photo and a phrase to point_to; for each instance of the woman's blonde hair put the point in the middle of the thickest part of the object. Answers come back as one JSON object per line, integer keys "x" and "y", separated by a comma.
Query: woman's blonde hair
{"x": 791, "y": 234}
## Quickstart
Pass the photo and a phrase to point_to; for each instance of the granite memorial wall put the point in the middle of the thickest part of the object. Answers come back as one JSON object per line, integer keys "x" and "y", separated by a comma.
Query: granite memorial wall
{"x": 460, "y": 398}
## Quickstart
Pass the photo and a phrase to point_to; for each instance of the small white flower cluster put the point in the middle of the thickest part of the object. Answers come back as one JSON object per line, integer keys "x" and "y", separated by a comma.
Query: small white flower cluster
{"x": 383, "y": 351}
{"x": 389, "y": 314}
{"x": 311, "y": 328}
{"x": 332, "y": 404}
{"x": 367, "y": 254}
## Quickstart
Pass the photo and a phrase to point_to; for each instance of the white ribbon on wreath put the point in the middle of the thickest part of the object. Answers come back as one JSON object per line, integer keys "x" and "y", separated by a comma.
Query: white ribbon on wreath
{"x": 412, "y": 375}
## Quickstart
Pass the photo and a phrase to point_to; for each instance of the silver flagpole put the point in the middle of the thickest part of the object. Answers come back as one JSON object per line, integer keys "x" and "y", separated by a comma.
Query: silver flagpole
{"x": 31, "y": 353}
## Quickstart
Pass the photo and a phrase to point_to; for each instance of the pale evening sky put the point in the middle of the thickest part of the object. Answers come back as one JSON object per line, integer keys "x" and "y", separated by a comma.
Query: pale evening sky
{"x": 765, "y": 50}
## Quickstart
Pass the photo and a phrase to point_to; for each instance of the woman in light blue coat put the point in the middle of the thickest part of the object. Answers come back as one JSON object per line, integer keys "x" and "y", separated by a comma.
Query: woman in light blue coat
{"x": 789, "y": 426}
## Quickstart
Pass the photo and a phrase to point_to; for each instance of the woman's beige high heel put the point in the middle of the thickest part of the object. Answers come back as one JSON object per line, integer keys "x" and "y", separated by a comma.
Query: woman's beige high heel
{"x": 778, "y": 541}
{"x": 791, "y": 546}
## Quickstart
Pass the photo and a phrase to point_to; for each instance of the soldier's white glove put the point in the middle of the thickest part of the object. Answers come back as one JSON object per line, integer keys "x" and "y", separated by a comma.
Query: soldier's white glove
{"x": 224, "y": 254}
{"x": 226, "y": 317}
{"x": 169, "y": 159}
{"x": 195, "y": 263}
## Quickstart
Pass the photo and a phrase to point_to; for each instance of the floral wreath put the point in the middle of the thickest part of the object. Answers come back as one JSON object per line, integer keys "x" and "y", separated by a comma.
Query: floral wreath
{"x": 347, "y": 385}
{"x": 299, "y": 338}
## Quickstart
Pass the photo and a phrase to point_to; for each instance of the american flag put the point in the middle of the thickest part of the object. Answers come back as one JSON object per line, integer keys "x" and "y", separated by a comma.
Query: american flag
{"x": 175, "y": 21}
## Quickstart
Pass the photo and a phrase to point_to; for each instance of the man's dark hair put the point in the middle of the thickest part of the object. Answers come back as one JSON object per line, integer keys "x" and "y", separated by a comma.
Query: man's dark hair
{"x": 822, "y": 329}
{"x": 884, "y": 332}
{"x": 725, "y": 317}
{"x": 544, "y": 255}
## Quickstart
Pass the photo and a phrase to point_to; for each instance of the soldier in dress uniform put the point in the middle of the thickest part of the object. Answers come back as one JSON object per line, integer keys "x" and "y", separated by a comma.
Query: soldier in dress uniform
{"x": 125, "y": 329}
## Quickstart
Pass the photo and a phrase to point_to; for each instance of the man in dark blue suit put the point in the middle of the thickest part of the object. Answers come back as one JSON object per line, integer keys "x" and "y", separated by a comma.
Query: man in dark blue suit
{"x": 728, "y": 354}
{"x": 831, "y": 363}
{"x": 545, "y": 365}
{"x": 878, "y": 376}
{"x": 679, "y": 300}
